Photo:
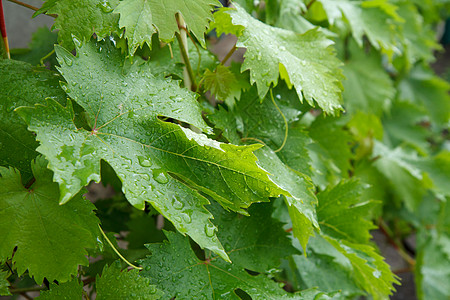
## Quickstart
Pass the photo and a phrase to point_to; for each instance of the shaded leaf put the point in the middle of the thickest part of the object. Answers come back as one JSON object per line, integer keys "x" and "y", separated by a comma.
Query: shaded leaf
{"x": 50, "y": 238}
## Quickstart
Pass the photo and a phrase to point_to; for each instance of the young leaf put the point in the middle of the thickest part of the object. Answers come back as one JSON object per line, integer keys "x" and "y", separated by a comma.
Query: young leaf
{"x": 50, "y": 238}
{"x": 307, "y": 60}
{"x": 190, "y": 277}
{"x": 83, "y": 18}
{"x": 142, "y": 149}
{"x": 117, "y": 284}
{"x": 142, "y": 18}
{"x": 67, "y": 290}
{"x": 22, "y": 84}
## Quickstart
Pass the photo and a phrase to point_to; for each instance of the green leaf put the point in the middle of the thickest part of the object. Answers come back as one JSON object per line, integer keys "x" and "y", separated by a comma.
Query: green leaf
{"x": 367, "y": 87}
{"x": 290, "y": 16}
{"x": 68, "y": 290}
{"x": 42, "y": 43}
{"x": 418, "y": 37}
{"x": 330, "y": 153}
{"x": 220, "y": 82}
{"x": 114, "y": 284}
{"x": 257, "y": 242}
{"x": 190, "y": 277}
{"x": 50, "y": 238}
{"x": 142, "y": 18}
{"x": 4, "y": 284}
{"x": 405, "y": 178}
{"x": 377, "y": 19}
{"x": 301, "y": 203}
{"x": 342, "y": 215}
{"x": 307, "y": 60}
{"x": 148, "y": 155}
{"x": 22, "y": 84}
{"x": 424, "y": 88}
{"x": 142, "y": 230}
{"x": 370, "y": 272}
{"x": 82, "y": 19}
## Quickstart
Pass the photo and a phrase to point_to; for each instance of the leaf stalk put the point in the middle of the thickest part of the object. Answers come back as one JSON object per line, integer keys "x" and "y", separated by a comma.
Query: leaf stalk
{"x": 188, "y": 72}
{"x": 115, "y": 250}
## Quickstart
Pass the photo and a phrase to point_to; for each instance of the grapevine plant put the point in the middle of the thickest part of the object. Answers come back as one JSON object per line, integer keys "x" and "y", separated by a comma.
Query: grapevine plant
{"x": 235, "y": 177}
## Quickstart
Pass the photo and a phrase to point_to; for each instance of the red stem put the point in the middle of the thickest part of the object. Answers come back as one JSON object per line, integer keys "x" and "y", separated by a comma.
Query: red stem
{"x": 3, "y": 30}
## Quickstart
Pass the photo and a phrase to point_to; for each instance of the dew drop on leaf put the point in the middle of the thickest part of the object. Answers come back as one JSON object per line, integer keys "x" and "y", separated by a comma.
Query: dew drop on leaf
{"x": 176, "y": 203}
{"x": 160, "y": 176}
{"x": 144, "y": 162}
{"x": 210, "y": 229}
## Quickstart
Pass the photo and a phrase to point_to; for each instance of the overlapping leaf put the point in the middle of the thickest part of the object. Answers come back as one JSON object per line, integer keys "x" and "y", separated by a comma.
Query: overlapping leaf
{"x": 343, "y": 245}
{"x": 50, "y": 238}
{"x": 4, "y": 284}
{"x": 83, "y": 18}
{"x": 307, "y": 60}
{"x": 67, "y": 290}
{"x": 142, "y": 18}
{"x": 375, "y": 19}
{"x": 22, "y": 84}
{"x": 367, "y": 86}
{"x": 257, "y": 242}
{"x": 114, "y": 284}
{"x": 190, "y": 277}
{"x": 123, "y": 106}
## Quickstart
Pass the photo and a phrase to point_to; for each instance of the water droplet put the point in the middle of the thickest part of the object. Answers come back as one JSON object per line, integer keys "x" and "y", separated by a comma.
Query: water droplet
{"x": 144, "y": 162}
{"x": 186, "y": 218}
{"x": 160, "y": 176}
{"x": 210, "y": 229}
{"x": 68, "y": 60}
{"x": 176, "y": 203}
{"x": 105, "y": 6}
{"x": 282, "y": 48}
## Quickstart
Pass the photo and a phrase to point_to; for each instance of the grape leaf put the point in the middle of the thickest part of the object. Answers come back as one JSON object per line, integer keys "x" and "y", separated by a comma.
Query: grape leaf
{"x": 402, "y": 126}
{"x": 114, "y": 284}
{"x": 375, "y": 19}
{"x": 82, "y": 19}
{"x": 290, "y": 16}
{"x": 342, "y": 215}
{"x": 248, "y": 239}
{"x": 307, "y": 60}
{"x": 424, "y": 88}
{"x": 263, "y": 122}
{"x": 4, "y": 284}
{"x": 22, "y": 85}
{"x": 142, "y": 149}
{"x": 142, "y": 230}
{"x": 344, "y": 242}
{"x": 219, "y": 82}
{"x": 67, "y": 290}
{"x": 405, "y": 178}
{"x": 367, "y": 86}
{"x": 190, "y": 277}
{"x": 418, "y": 38}
{"x": 50, "y": 238}
{"x": 142, "y": 18}
{"x": 329, "y": 152}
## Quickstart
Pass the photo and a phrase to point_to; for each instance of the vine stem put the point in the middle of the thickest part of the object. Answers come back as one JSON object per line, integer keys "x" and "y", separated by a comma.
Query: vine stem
{"x": 30, "y": 7}
{"x": 286, "y": 126}
{"x": 117, "y": 252}
{"x": 227, "y": 57}
{"x": 188, "y": 73}
{"x": 24, "y": 290}
{"x": 310, "y": 3}
{"x": 387, "y": 232}
{"x": 3, "y": 31}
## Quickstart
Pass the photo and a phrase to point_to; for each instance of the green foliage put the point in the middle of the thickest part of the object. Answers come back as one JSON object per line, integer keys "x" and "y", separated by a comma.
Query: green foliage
{"x": 36, "y": 224}
{"x": 241, "y": 186}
